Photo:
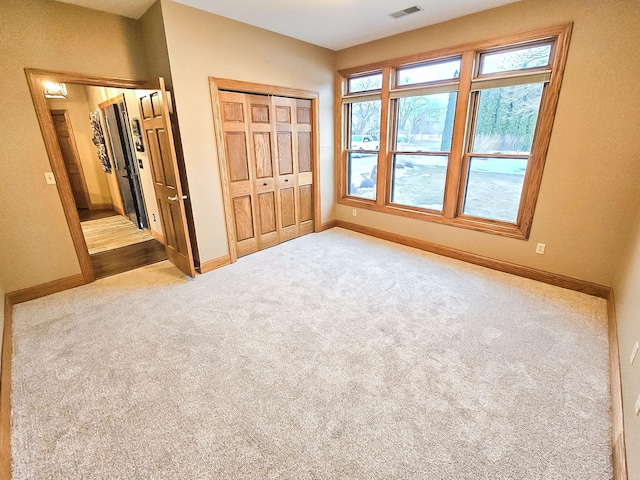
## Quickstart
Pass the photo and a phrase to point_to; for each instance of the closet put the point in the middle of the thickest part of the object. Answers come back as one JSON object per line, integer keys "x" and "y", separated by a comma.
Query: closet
{"x": 268, "y": 145}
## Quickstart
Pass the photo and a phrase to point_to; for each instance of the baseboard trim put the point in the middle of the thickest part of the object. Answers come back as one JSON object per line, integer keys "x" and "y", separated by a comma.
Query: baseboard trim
{"x": 101, "y": 206}
{"x": 327, "y": 225}
{"x": 502, "y": 266}
{"x": 210, "y": 265}
{"x": 5, "y": 391}
{"x": 31, "y": 293}
{"x": 158, "y": 236}
{"x": 119, "y": 210}
{"x": 619, "y": 453}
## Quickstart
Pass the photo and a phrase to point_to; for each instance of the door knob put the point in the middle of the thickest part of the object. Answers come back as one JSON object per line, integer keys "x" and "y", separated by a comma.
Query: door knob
{"x": 173, "y": 199}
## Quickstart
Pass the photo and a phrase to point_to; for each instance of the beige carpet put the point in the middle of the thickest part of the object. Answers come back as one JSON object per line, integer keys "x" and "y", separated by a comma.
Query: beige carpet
{"x": 112, "y": 232}
{"x": 331, "y": 356}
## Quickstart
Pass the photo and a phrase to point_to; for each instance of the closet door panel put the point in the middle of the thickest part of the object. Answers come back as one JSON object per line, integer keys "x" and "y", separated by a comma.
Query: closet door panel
{"x": 238, "y": 148}
{"x": 244, "y": 219}
{"x": 285, "y": 153}
{"x": 262, "y": 153}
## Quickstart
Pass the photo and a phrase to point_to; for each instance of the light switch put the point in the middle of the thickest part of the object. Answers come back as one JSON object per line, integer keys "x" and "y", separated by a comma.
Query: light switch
{"x": 50, "y": 179}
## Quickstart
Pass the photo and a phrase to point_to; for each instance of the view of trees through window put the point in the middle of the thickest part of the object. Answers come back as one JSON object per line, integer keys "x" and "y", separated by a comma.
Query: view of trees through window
{"x": 502, "y": 122}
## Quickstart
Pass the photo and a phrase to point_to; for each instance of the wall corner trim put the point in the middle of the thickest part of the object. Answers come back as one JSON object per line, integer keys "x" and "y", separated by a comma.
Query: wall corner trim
{"x": 619, "y": 453}
{"x": 5, "y": 391}
{"x": 558, "y": 280}
{"x": 327, "y": 225}
{"x": 210, "y": 265}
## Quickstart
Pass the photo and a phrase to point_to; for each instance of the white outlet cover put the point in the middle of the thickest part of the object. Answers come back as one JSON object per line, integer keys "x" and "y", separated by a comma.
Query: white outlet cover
{"x": 49, "y": 178}
{"x": 638, "y": 405}
{"x": 540, "y": 248}
{"x": 634, "y": 352}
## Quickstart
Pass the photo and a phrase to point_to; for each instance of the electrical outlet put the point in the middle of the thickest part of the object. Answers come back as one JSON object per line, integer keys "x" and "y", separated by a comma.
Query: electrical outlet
{"x": 354, "y": 212}
{"x": 49, "y": 178}
{"x": 638, "y": 405}
{"x": 540, "y": 248}
{"x": 634, "y": 352}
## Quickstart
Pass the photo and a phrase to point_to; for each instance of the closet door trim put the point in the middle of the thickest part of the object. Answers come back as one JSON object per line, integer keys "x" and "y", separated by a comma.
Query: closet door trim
{"x": 217, "y": 84}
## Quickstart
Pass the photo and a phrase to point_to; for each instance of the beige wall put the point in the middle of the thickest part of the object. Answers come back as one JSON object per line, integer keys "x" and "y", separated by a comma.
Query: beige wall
{"x": 592, "y": 173}
{"x": 78, "y": 110}
{"x": 202, "y": 45}
{"x": 155, "y": 44}
{"x": 626, "y": 288}
{"x": 34, "y": 236}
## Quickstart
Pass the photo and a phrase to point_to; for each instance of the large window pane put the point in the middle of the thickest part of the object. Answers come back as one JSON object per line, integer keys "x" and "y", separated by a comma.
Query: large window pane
{"x": 528, "y": 57}
{"x": 431, "y": 72}
{"x": 364, "y": 125}
{"x": 365, "y": 83}
{"x": 494, "y": 187}
{"x": 425, "y": 122}
{"x": 362, "y": 174}
{"x": 418, "y": 180}
{"x": 506, "y": 119}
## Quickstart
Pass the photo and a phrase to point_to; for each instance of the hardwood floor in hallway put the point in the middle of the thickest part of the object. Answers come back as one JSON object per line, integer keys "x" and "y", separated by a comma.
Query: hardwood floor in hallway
{"x": 112, "y": 232}
{"x": 117, "y": 245}
{"x": 118, "y": 260}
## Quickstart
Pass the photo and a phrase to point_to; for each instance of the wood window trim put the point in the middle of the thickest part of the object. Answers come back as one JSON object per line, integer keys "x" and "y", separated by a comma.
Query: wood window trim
{"x": 217, "y": 84}
{"x": 452, "y": 209}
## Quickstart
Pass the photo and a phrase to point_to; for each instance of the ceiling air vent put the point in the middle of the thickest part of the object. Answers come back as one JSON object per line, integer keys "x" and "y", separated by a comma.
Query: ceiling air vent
{"x": 405, "y": 12}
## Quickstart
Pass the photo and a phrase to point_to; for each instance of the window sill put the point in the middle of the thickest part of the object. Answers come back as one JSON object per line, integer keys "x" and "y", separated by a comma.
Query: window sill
{"x": 469, "y": 223}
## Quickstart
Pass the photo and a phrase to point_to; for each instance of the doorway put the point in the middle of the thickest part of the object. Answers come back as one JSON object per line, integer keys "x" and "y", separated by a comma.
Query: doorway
{"x": 124, "y": 160}
{"x": 119, "y": 196}
{"x": 105, "y": 179}
{"x": 268, "y": 151}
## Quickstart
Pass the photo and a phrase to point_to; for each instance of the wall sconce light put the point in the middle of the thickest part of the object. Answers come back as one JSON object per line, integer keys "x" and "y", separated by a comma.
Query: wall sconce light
{"x": 55, "y": 90}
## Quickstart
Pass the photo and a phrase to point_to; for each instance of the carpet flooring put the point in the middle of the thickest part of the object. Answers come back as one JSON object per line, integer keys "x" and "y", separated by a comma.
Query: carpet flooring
{"x": 334, "y": 355}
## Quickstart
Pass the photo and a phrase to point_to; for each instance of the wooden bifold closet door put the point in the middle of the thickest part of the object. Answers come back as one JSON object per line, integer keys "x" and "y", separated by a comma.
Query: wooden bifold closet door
{"x": 269, "y": 157}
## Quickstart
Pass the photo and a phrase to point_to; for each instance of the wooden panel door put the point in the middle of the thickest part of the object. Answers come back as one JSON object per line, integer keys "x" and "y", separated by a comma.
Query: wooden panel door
{"x": 164, "y": 167}
{"x": 261, "y": 154}
{"x": 235, "y": 125}
{"x": 268, "y": 147}
{"x": 286, "y": 161}
{"x": 304, "y": 137}
{"x": 71, "y": 157}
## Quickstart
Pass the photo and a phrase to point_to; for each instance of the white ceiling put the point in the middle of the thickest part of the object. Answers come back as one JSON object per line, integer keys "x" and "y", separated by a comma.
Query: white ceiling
{"x": 334, "y": 24}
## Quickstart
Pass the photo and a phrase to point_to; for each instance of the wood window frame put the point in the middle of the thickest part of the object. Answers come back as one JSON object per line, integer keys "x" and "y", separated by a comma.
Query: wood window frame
{"x": 451, "y": 214}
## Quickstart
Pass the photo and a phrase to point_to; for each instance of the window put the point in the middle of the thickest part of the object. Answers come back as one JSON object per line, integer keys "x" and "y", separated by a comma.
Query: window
{"x": 421, "y": 149}
{"x": 457, "y": 137}
{"x": 363, "y": 130}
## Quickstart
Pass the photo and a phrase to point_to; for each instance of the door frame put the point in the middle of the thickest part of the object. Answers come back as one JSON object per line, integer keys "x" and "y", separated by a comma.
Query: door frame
{"x": 76, "y": 154}
{"x": 217, "y": 84}
{"x": 118, "y": 100}
{"x": 35, "y": 79}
